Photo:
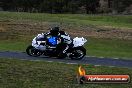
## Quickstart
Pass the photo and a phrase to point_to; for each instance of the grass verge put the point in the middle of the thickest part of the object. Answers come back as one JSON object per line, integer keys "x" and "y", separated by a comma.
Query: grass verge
{"x": 8, "y": 45}
{"x": 16, "y": 73}
{"x": 114, "y": 48}
{"x": 72, "y": 19}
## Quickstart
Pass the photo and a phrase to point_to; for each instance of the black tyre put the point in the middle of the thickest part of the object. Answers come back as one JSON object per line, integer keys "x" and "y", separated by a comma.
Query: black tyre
{"x": 78, "y": 53}
{"x": 31, "y": 51}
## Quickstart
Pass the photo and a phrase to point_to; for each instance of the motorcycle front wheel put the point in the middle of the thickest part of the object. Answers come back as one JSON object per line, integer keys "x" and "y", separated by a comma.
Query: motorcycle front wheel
{"x": 78, "y": 53}
{"x": 31, "y": 51}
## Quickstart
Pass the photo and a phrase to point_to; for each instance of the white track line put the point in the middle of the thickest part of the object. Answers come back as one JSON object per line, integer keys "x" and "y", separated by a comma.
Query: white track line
{"x": 97, "y": 65}
{"x": 49, "y": 61}
{"x": 111, "y": 66}
{"x": 115, "y": 58}
{"x": 71, "y": 63}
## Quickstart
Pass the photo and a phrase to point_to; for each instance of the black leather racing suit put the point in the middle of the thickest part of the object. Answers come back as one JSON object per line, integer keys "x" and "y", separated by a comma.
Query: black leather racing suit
{"x": 66, "y": 41}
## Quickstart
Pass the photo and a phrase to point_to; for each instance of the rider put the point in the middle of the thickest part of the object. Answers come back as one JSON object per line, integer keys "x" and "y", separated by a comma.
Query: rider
{"x": 61, "y": 46}
{"x": 65, "y": 40}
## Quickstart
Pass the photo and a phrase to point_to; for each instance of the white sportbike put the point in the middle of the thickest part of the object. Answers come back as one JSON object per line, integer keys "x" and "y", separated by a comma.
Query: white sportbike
{"x": 76, "y": 51}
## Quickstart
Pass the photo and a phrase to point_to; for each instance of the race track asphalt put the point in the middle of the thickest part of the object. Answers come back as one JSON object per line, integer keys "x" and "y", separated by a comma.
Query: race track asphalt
{"x": 86, "y": 60}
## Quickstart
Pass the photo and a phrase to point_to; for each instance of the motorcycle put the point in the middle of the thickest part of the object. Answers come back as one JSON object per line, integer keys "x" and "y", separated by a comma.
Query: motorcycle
{"x": 40, "y": 47}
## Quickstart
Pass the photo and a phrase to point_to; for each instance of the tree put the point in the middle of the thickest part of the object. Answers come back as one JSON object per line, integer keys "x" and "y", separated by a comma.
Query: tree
{"x": 73, "y": 6}
{"x": 120, "y": 5}
{"x": 90, "y": 5}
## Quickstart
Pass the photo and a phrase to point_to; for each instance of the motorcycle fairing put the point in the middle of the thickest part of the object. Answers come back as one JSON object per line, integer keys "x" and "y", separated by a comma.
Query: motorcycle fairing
{"x": 79, "y": 41}
{"x": 52, "y": 41}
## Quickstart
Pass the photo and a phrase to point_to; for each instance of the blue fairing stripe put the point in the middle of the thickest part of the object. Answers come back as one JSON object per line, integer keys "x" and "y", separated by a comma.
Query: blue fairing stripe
{"x": 53, "y": 40}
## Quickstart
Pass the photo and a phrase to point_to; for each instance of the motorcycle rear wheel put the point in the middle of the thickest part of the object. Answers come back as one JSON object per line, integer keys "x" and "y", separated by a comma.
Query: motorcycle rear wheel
{"x": 78, "y": 53}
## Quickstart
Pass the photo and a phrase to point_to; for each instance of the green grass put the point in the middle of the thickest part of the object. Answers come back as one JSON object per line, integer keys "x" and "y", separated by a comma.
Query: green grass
{"x": 8, "y": 45}
{"x": 110, "y": 48}
{"x": 72, "y": 19}
{"x": 113, "y": 48}
{"x": 31, "y": 74}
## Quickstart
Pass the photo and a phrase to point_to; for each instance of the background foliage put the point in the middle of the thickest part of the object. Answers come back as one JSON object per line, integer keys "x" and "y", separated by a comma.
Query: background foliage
{"x": 62, "y": 6}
